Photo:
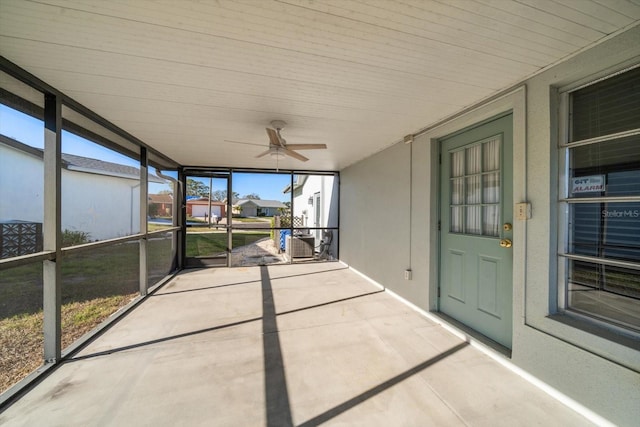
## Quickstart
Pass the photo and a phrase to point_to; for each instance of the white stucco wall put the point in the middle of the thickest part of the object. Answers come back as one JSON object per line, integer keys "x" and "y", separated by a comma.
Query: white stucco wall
{"x": 103, "y": 206}
{"x": 327, "y": 187}
{"x": 599, "y": 371}
{"x": 21, "y": 186}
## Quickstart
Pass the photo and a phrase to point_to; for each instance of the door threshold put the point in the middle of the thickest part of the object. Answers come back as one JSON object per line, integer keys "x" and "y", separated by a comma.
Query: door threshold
{"x": 477, "y": 336}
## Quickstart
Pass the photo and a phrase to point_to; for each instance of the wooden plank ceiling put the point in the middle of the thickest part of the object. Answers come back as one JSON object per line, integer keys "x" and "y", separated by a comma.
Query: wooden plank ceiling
{"x": 186, "y": 77}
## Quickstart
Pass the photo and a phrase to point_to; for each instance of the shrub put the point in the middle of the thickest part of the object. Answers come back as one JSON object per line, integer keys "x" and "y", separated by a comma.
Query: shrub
{"x": 72, "y": 238}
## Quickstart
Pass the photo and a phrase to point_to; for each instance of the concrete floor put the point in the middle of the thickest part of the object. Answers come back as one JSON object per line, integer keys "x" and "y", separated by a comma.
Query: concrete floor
{"x": 299, "y": 345}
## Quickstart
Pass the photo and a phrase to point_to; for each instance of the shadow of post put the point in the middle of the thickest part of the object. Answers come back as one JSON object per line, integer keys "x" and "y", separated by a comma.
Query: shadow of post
{"x": 275, "y": 384}
{"x": 355, "y": 401}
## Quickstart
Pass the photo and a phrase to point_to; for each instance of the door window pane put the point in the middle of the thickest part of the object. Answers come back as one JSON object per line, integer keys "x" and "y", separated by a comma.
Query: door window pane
{"x": 473, "y": 220}
{"x": 473, "y": 159}
{"x": 475, "y": 189}
{"x": 491, "y": 188}
{"x": 491, "y": 155}
{"x": 491, "y": 220}
{"x": 457, "y": 163}
{"x": 456, "y": 219}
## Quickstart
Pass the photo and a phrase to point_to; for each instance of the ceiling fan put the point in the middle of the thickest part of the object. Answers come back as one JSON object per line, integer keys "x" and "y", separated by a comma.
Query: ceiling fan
{"x": 278, "y": 147}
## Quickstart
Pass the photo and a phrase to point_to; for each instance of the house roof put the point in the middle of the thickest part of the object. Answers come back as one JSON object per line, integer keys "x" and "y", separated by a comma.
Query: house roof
{"x": 205, "y": 201}
{"x": 87, "y": 164}
{"x": 299, "y": 182}
{"x": 160, "y": 198}
{"x": 262, "y": 203}
{"x": 84, "y": 164}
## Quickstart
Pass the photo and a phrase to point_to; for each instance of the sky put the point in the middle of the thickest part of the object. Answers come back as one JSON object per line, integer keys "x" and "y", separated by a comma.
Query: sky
{"x": 266, "y": 185}
{"x": 29, "y": 130}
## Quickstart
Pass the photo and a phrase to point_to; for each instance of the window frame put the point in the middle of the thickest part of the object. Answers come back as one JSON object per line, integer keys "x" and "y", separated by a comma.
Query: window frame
{"x": 564, "y": 256}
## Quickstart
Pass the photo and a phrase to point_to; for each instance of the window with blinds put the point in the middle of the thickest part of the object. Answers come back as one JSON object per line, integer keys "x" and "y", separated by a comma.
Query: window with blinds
{"x": 602, "y": 249}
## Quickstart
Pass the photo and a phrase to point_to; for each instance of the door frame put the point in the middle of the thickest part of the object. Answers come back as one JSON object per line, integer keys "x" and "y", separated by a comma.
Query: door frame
{"x": 442, "y": 159}
{"x": 195, "y": 262}
{"x": 513, "y": 102}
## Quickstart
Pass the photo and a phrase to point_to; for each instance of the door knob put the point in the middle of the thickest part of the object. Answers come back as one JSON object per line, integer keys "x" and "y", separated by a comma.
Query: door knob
{"x": 505, "y": 243}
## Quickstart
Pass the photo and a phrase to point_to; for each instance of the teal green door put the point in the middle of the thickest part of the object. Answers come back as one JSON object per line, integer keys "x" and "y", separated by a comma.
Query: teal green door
{"x": 475, "y": 222}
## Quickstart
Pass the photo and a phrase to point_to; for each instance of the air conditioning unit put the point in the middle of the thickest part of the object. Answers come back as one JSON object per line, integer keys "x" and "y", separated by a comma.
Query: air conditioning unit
{"x": 299, "y": 246}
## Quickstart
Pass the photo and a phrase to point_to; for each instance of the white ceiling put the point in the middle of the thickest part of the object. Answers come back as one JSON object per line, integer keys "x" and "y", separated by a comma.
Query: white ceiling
{"x": 357, "y": 75}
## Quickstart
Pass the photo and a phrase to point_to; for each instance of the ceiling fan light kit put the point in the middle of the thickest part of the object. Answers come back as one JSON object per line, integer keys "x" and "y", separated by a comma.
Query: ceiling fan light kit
{"x": 276, "y": 154}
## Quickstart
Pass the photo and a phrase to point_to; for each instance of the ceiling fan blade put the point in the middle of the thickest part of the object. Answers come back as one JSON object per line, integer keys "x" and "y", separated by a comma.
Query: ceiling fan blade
{"x": 293, "y": 154}
{"x": 244, "y": 143}
{"x": 273, "y": 137}
{"x": 263, "y": 154}
{"x": 306, "y": 146}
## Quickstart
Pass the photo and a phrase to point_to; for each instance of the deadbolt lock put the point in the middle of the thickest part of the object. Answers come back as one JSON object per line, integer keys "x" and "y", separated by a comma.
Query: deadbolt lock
{"x": 505, "y": 243}
{"x": 507, "y": 226}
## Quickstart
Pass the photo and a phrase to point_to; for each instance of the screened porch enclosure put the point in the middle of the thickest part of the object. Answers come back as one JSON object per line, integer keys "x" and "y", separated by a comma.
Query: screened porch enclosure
{"x": 264, "y": 222}
{"x": 97, "y": 220}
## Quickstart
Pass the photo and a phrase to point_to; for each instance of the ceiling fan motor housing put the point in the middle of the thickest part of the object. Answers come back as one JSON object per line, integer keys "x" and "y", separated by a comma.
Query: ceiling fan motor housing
{"x": 278, "y": 124}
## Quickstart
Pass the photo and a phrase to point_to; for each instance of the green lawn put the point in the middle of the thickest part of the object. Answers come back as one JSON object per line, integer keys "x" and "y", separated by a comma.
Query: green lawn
{"x": 215, "y": 242}
{"x": 86, "y": 275}
{"x": 22, "y": 341}
{"x": 253, "y": 219}
{"x": 95, "y": 284}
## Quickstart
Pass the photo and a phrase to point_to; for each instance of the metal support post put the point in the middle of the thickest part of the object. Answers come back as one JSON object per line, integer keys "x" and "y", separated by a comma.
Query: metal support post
{"x": 52, "y": 241}
{"x": 144, "y": 209}
{"x": 229, "y": 219}
{"x": 182, "y": 218}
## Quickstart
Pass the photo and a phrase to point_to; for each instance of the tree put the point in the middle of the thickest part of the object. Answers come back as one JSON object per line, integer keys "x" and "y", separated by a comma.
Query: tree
{"x": 218, "y": 195}
{"x": 252, "y": 196}
{"x": 221, "y": 195}
{"x": 170, "y": 192}
{"x": 196, "y": 188}
{"x": 154, "y": 210}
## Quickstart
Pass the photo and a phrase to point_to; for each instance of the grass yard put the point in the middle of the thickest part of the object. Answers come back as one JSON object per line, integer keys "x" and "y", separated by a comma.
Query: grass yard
{"x": 95, "y": 284}
{"x": 253, "y": 219}
{"x": 21, "y": 337}
{"x": 215, "y": 242}
{"x": 155, "y": 227}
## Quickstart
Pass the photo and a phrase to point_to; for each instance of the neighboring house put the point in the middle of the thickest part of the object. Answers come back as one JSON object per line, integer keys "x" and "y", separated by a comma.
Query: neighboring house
{"x": 160, "y": 204}
{"x": 104, "y": 201}
{"x": 315, "y": 200}
{"x": 198, "y": 207}
{"x": 255, "y": 207}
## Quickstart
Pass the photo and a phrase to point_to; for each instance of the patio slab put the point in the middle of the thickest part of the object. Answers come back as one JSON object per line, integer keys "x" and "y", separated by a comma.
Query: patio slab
{"x": 283, "y": 345}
